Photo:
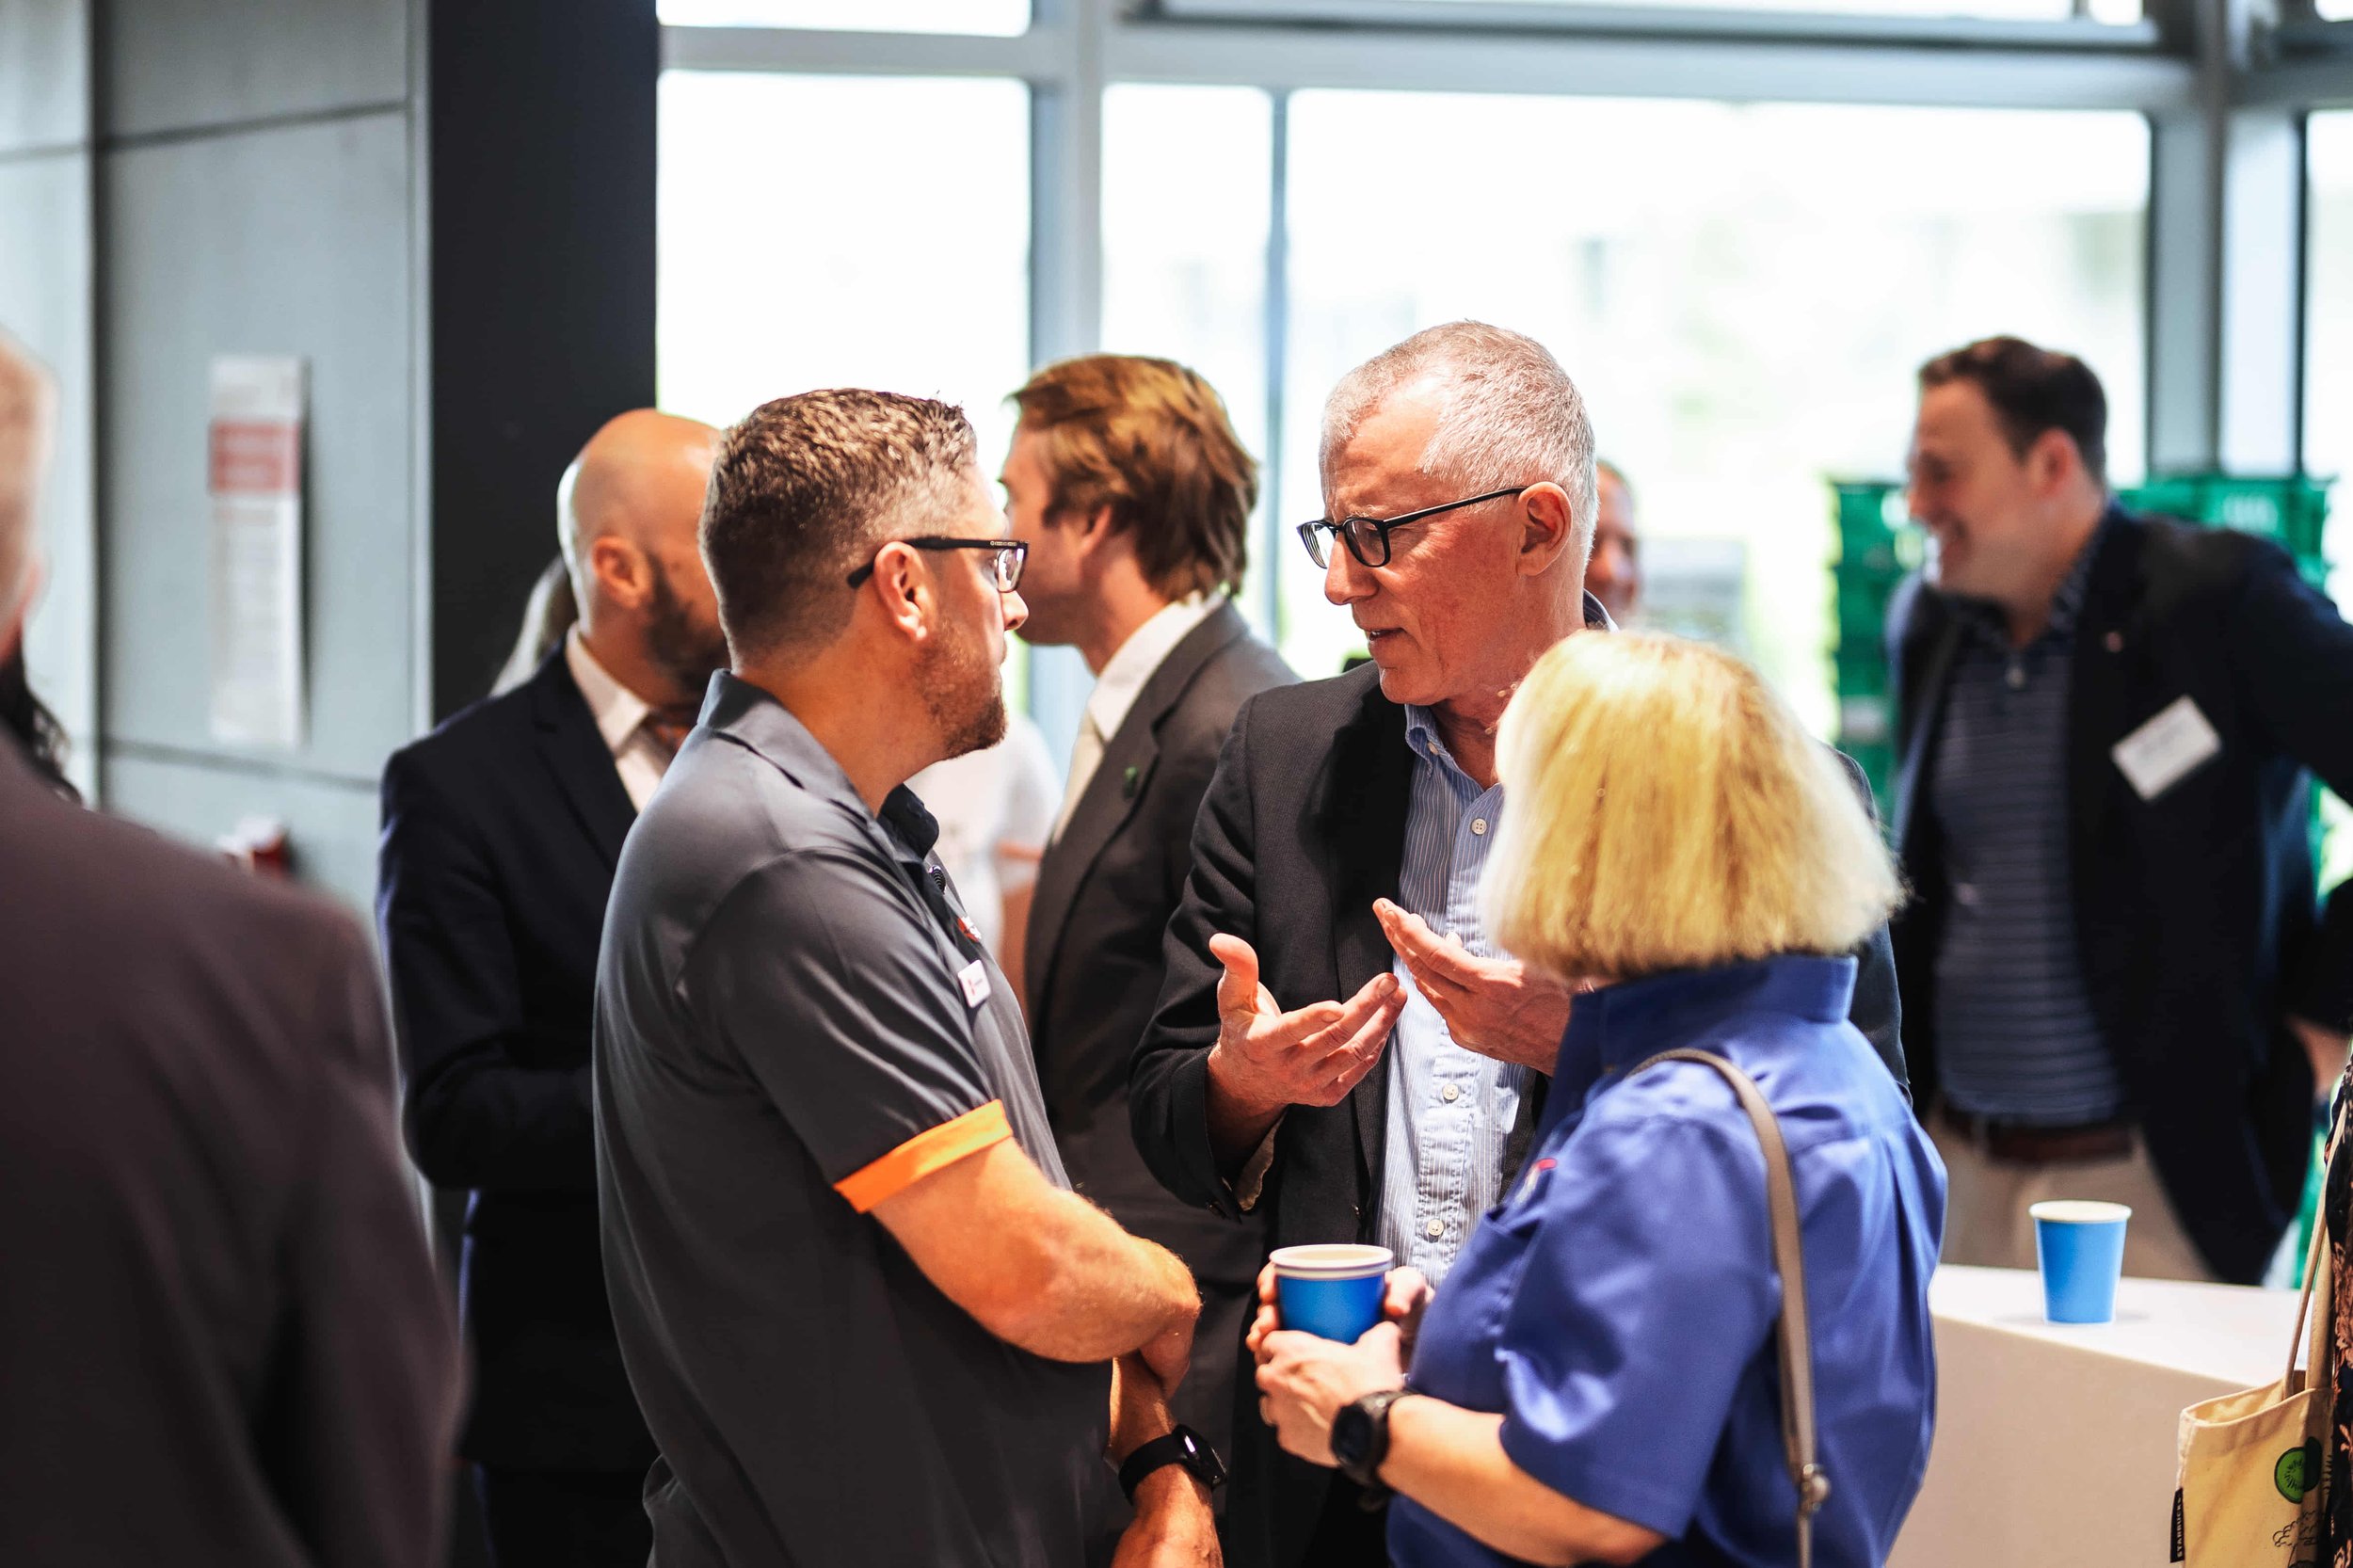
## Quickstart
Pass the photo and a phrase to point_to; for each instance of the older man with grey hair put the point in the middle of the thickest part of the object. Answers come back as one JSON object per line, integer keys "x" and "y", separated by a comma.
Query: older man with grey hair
{"x": 1338, "y": 1046}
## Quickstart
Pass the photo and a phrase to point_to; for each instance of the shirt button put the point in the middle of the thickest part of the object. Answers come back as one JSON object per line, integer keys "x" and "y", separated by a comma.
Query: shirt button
{"x": 1435, "y": 1229}
{"x": 1479, "y": 824}
{"x": 1450, "y": 1094}
{"x": 2017, "y": 677}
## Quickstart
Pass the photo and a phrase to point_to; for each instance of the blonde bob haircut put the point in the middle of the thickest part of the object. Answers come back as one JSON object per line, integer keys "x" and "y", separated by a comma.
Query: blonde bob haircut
{"x": 1665, "y": 812}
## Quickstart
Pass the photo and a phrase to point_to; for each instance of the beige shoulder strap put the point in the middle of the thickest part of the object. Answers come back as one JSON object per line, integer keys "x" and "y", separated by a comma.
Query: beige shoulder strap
{"x": 1797, "y": 1343}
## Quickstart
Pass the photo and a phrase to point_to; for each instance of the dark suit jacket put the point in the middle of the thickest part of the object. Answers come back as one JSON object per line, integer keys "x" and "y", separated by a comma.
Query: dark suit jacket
{"x": 1104, "y": 895}
{"x": 221, "y": 1342}
{"x": 2194, "y": 911}
{"x": 1302, "y": 827}
{"x": 501, "y": 832}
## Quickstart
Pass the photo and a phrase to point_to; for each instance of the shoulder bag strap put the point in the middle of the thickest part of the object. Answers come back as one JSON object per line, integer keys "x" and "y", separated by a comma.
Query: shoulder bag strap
{"x": 1796, "y": 1342}
{"x": 2322, "y": 1323}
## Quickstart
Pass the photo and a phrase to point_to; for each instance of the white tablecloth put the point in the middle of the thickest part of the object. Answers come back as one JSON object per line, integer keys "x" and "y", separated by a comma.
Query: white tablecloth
{"x": 2055, "y": 1443}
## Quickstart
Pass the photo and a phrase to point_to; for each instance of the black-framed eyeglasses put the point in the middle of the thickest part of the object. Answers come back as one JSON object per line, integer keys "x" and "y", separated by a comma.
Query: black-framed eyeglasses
{"x": 1369, "y": 537}
{"x": 1012, "y": 555}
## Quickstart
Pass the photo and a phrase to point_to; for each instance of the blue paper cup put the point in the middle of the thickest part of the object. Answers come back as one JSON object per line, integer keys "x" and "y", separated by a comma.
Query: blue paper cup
{"x": 2080, "y": 1248}
{"x": 1333, "y": 1291}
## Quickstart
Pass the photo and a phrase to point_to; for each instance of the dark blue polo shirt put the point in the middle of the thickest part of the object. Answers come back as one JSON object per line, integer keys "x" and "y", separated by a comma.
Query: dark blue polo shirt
{"x": 2016, "y": 1036}
{"x": 784, "y": 1038}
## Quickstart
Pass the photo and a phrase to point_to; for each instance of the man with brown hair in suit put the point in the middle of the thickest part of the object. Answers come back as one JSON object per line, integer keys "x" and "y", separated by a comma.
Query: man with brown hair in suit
{"x": 1134, "y": 496}
{"x": 220, "y": 1336}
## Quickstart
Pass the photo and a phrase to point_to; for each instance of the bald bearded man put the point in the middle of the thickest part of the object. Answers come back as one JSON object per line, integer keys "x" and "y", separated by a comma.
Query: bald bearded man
{"x": 501, "y": 832}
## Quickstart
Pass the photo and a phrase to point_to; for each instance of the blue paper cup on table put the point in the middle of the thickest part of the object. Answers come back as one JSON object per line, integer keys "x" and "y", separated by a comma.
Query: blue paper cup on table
{"x": 1333, "y": 1291}
{"x": 2080, "y": 1248}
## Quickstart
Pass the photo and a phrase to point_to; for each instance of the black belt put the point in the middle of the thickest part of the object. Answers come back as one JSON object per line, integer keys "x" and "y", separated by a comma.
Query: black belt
{"x": 2023, "y": 1143}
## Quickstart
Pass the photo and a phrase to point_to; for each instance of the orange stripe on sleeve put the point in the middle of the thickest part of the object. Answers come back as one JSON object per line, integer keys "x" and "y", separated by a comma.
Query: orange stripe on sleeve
{"x": 933, "y": 1149}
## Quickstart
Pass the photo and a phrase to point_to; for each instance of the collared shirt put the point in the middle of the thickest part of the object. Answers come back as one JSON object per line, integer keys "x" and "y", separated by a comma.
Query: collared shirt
{"x": 1451, "y": 1110}
{"x": 1617, "y": 1309}
{"x": 2016, "y": 1036}
{"x": 620, "y": 714}
{"x": 1122, "y": 681}
{"x": 792, "y": 1027}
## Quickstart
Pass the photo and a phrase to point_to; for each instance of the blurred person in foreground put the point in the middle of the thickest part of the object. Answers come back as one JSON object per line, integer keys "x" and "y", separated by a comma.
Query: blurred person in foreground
{"x": 27, "y": 721}
{"x": 221, "y": 1342}
{"x": 501, "y": 832}
{"x": 1133, "y": 493}
{"x": 866, "y": 1318}
{"x": 2119, "y": 984}
{"x": 1614, "y": 572}
{"x": 1598, "y": 1378}
{"x": 1340, "y": 1044}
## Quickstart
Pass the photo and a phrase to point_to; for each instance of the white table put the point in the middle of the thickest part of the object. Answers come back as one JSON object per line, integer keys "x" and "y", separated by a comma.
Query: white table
{"x": 2055, "y": 1443}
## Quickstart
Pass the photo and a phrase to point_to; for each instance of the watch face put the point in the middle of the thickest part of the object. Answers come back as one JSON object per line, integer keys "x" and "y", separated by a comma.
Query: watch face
{"x": 1202, "y": 1461}
{"x": 1351, "y": 1432}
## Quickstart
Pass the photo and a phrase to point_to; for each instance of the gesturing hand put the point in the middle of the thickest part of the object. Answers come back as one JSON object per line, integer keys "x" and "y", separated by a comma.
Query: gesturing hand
{"x": 1494, "y": 1006}
{"x": 1266, "y": 1058}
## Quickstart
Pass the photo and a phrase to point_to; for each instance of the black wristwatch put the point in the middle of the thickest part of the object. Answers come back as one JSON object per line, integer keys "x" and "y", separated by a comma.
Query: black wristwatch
{"x": 1360, "y": 1437}
{"x": 1183, "y": 1447}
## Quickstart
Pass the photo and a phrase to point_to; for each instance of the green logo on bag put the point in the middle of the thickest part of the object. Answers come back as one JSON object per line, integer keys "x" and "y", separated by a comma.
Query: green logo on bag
{"x": 2296, "y": 1471}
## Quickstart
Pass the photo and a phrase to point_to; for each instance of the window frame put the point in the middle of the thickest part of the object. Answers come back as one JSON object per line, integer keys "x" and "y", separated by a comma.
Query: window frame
{"x": 2226, "y": 85}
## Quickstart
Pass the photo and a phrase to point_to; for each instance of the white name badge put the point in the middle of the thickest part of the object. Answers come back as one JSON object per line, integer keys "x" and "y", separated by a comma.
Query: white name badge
{"x": 2160, "y": 753}
{"x": 973, "y": 977}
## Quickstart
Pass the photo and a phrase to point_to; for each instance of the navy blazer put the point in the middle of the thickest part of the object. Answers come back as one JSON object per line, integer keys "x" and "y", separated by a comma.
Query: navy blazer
{"x": 2195, "y": 912}
{"x": 502, "y": 829}
{"x": 1302, "y": 827}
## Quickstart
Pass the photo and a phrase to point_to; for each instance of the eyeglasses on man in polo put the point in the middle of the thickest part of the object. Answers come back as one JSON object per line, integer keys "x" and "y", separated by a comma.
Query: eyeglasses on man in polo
{"x": 1012, "y": 555}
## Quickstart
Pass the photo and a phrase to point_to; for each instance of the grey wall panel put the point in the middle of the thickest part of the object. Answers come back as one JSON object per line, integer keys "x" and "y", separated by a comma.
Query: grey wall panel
{"x": 44, "y": 73}
{"x": 177, "y": 64}
{"x": 294, "y": 240}
{"x": 332, "y": 826}
{"x": 45, "y": 303}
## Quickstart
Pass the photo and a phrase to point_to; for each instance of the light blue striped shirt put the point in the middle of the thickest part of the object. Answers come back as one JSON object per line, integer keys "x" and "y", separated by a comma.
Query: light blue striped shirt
{"x": 1451, "y": 1110}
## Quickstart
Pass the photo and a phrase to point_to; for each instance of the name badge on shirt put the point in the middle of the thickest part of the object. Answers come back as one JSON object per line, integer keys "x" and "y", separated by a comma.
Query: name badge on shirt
{"x": 2160, "y": 753}
{"x": 973, "y": 977}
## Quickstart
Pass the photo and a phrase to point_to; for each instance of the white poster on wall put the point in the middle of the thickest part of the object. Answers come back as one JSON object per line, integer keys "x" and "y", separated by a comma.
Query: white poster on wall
{"x": 256, "y": 484}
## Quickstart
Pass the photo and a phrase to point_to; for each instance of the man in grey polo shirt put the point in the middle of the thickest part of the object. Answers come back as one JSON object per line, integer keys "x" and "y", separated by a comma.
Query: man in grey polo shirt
{"x": 866, "y": 1318}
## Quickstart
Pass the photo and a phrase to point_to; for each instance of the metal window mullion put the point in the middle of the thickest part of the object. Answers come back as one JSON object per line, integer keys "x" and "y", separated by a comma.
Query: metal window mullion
{"x": 1065, "y": 269}
{"x": 1750, "y": 70}
{"x": 1277, "y": 315}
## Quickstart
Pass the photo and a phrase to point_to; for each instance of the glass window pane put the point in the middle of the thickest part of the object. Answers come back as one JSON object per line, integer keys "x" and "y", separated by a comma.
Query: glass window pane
{"x": 998, "y": 18}
{"x": 899, "y": 260}
{"x": 1186, "y": 176}
{"x": 1743, "y": 293}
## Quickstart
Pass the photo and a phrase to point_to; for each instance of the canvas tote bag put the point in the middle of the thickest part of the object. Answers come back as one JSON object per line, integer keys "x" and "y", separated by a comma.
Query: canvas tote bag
{"x": 2247, "y": 1490}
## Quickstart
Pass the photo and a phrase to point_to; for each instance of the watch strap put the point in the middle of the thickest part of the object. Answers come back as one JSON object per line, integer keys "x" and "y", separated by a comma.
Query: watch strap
{"x": 1183, "y": 1446}
{"x": 1364, "y": 1470}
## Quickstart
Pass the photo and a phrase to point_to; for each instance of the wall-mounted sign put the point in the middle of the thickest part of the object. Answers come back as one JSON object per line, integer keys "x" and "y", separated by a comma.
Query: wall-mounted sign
{"x": 256, "y": 486}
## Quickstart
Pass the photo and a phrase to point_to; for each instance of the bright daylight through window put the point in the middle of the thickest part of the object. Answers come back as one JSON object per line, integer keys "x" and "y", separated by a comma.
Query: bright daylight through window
{"x": 1743, "y": 293}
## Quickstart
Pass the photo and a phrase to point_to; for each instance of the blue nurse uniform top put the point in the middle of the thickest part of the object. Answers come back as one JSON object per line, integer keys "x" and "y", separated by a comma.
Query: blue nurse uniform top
{"x": 1617, "y": 1307}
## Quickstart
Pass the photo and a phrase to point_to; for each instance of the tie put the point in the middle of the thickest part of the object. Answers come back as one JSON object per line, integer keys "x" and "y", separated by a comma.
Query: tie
{"x": 1086, "y": 755}
{"x": 669, "y": 727}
